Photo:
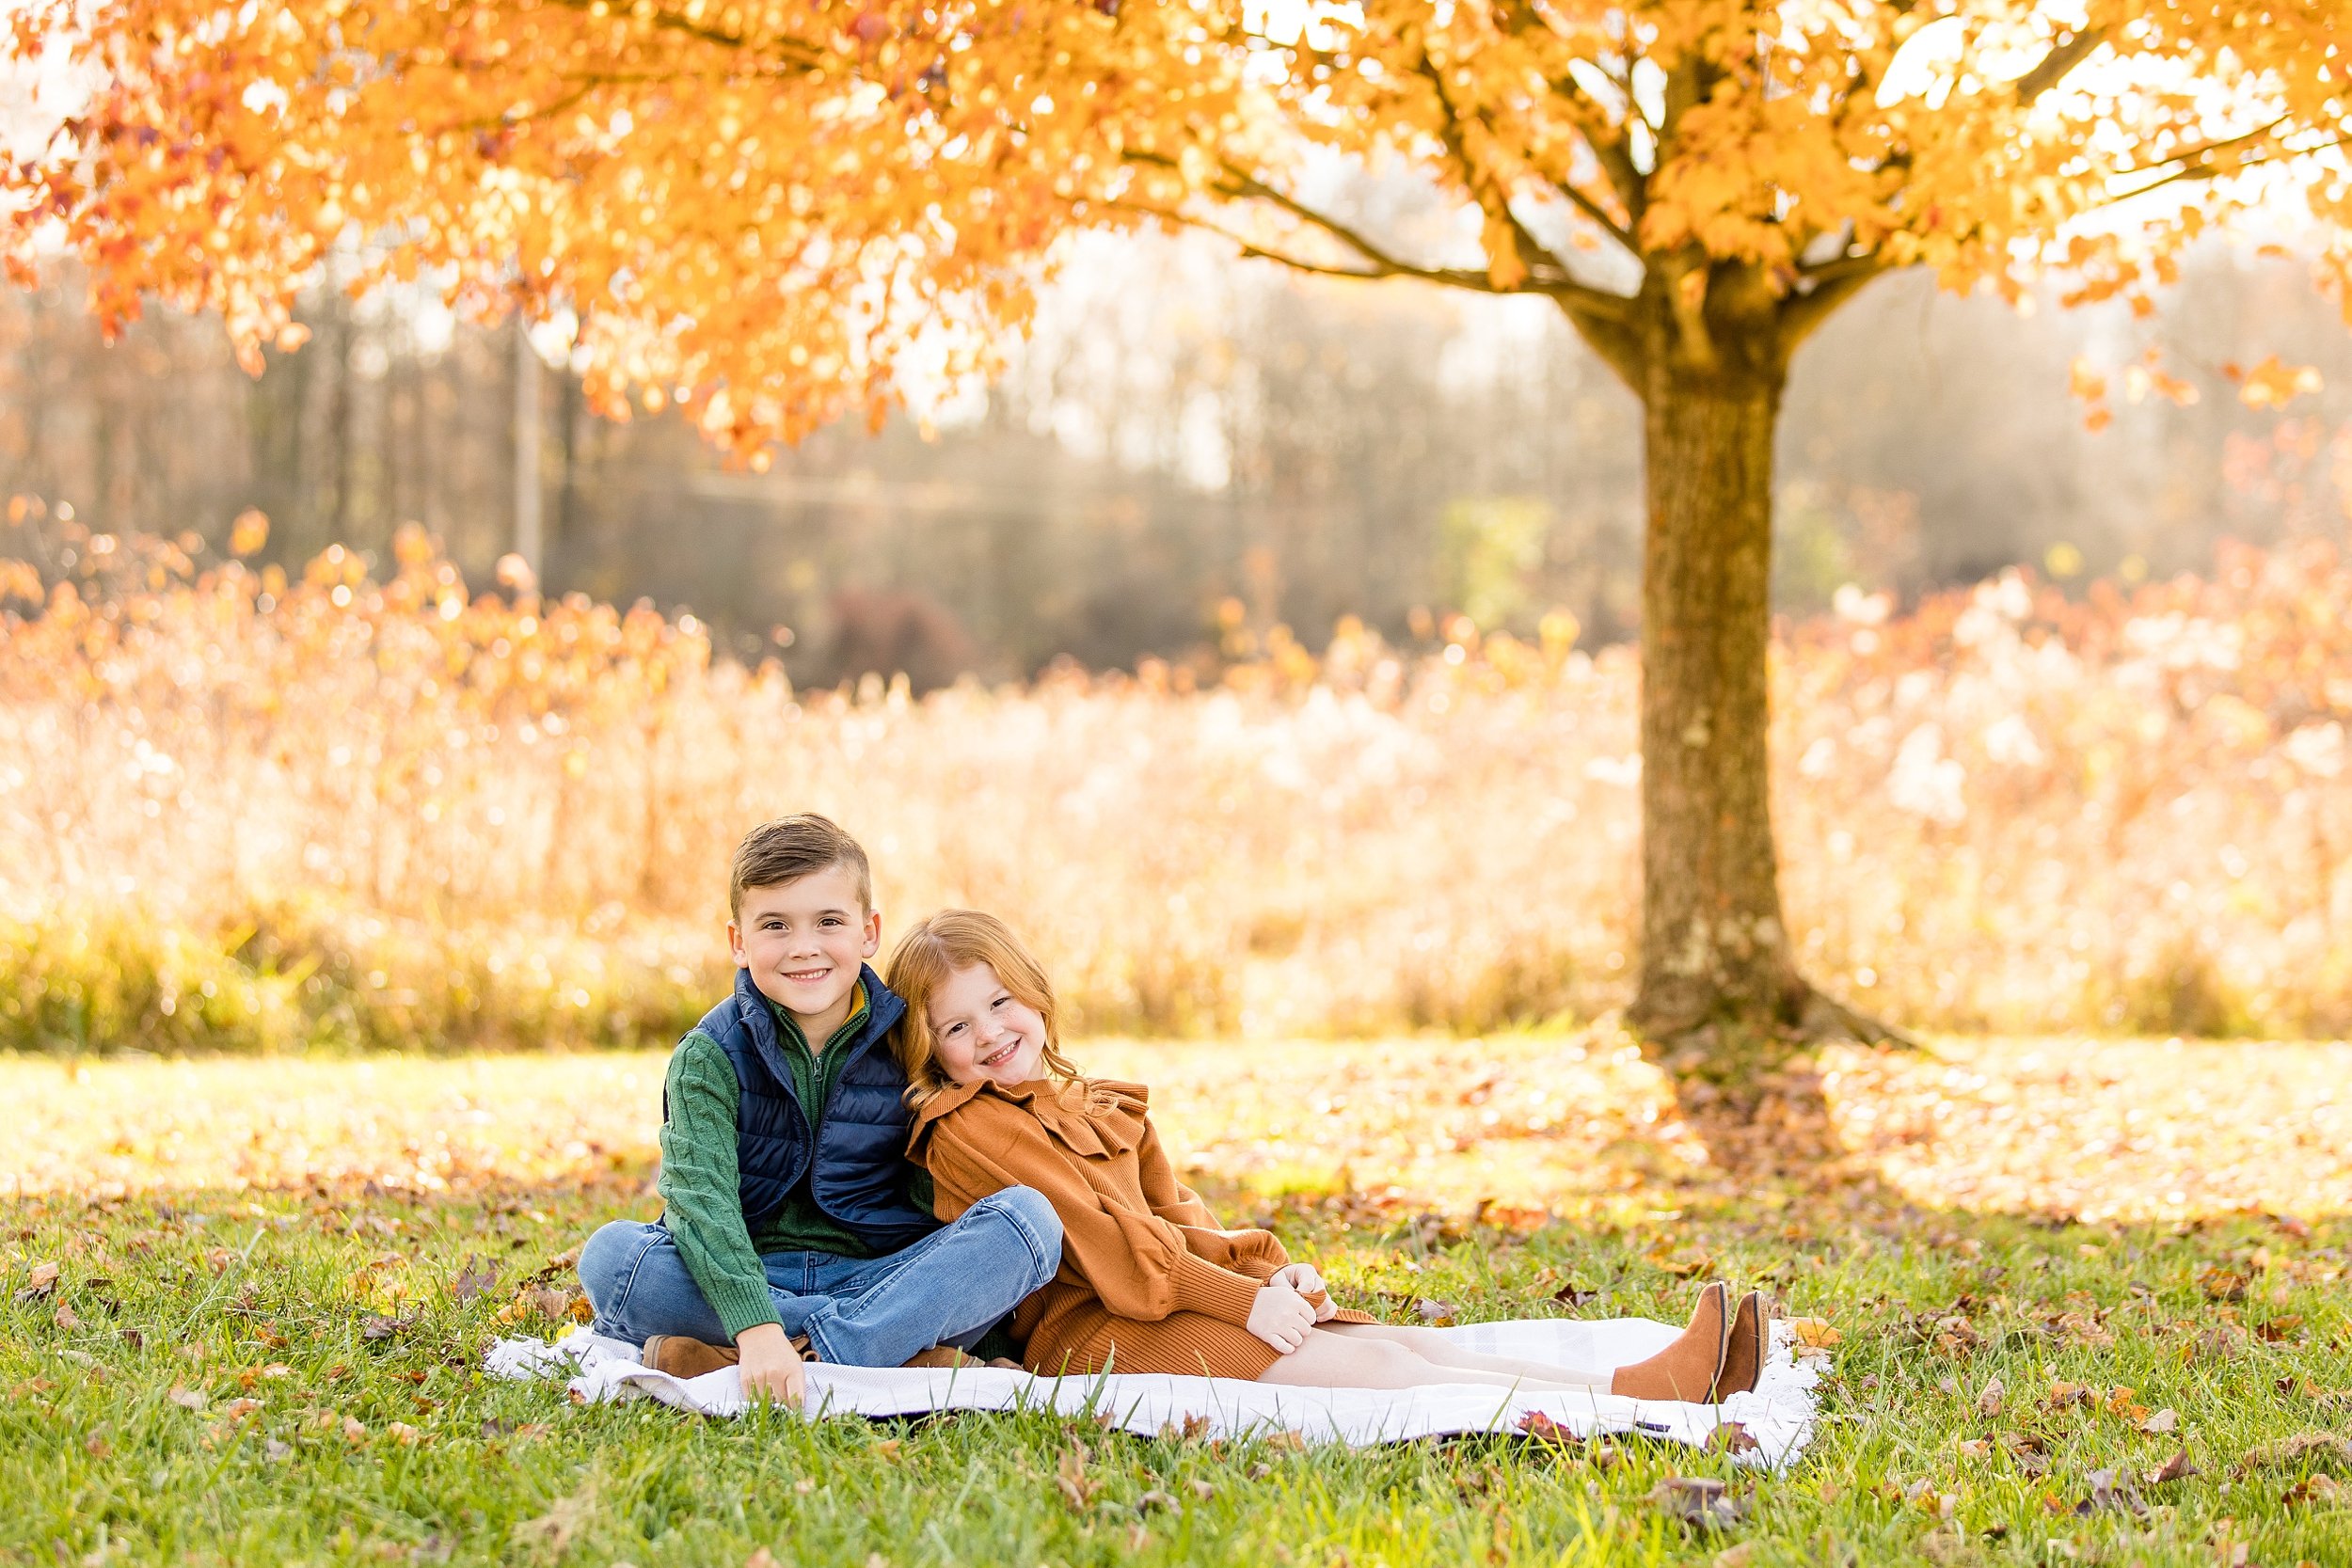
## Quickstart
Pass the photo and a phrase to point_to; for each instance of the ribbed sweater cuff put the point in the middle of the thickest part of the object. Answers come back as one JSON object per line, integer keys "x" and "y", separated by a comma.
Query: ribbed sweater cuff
{"x": 1221, "y": 1293}
{"x": 740, "y": 1304}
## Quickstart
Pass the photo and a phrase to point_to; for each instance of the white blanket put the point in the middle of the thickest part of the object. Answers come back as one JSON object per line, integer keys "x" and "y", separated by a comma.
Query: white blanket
{"x": 1777, "y": 1417}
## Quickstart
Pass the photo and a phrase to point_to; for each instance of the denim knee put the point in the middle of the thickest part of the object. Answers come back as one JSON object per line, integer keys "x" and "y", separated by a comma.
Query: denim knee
{"x": 607, "y": 1258}
{"x": 1033, "y": 1216}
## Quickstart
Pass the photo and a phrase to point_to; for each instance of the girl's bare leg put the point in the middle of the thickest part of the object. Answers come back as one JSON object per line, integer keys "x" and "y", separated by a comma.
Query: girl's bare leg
{"x": 1346, "y": 1357}
{"x": 1433, "y": 1347}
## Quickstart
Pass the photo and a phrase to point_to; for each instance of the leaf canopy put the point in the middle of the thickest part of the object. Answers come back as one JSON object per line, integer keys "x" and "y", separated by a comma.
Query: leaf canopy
{"x": 765, "y": 206}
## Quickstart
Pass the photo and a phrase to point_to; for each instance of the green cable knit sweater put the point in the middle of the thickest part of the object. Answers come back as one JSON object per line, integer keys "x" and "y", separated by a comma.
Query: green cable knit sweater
{"x": 702, "y": 1203}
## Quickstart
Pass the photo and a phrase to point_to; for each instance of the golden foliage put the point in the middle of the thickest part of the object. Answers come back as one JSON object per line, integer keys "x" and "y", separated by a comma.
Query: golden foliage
{"x": 757, "y": 210}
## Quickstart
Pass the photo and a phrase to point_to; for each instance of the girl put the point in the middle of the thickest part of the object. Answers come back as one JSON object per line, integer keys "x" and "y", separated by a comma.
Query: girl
{"x": 1148, "y": 1281}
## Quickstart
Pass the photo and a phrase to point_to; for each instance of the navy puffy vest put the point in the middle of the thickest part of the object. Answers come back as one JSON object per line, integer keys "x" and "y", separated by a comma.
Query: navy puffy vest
{"x": 857, "y": 1143}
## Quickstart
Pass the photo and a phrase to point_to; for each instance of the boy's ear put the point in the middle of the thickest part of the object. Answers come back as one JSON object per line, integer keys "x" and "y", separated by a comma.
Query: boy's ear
{"x": 735, "y": 945}
{"x": 873, "y": 932}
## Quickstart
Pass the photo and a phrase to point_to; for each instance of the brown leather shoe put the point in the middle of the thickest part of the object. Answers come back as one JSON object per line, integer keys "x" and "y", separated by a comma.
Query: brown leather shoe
{"x": 1688, "y": 1368}
{"x": 679, "y": 1356}
{"x": 941, "y": 1356}
{"x": 1743, "y": 1357}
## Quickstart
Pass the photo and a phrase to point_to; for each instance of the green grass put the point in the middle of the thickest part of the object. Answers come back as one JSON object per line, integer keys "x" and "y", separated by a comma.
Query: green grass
{"x": 207, "y": 1292}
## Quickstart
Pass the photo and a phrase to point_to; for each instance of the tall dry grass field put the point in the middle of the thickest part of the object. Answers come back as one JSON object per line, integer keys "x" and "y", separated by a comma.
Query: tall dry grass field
{"x": 246, "y": 813}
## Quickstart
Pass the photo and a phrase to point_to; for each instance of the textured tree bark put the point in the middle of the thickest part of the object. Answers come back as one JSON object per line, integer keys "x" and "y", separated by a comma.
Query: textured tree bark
{"x": 1715, "y": 947}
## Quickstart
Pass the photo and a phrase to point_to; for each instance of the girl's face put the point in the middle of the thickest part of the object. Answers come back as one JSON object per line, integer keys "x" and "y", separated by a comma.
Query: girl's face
{"x": 983, "y": 1032}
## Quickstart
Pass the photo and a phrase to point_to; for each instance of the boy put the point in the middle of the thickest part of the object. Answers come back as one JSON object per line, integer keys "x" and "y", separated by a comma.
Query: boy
{"x": 787, "y": 1219}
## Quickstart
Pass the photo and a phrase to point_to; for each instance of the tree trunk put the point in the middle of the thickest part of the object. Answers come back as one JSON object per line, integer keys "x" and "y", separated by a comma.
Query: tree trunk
{"x": 1715, "y": 947}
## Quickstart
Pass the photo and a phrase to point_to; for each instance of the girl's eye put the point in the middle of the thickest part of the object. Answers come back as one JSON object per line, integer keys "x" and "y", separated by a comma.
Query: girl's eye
{"x": 1000, "y": 1002}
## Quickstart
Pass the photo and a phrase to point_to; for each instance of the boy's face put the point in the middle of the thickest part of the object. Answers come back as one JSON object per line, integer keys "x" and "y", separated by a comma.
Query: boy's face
{"x": 804, "y": 939}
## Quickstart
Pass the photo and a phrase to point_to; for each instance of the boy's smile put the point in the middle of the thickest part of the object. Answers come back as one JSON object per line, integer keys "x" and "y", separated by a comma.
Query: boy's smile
{"x": 804, "y": 943}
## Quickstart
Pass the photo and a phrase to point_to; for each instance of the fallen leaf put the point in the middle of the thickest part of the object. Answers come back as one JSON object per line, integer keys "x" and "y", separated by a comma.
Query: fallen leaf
{"x": 2064, "y": 1395}
{"x": 2220, "y": 1284}
{"x": 1155, "y": 1498}
{"x": 473, "y": 1280}
{"x": 1990, "y": 1398}
{"x": 1538, "y": 1425}
{"x": 888, "y": 1450}
{"x": 1575, "y": 1296}
{"x": 1437, "y": 1314}
{"x": 355, "y": 1431}
{"x": 1736, "y": 1556}
{"x": 42, "y": 1280}
{"x": 2106, "y": 1496}
{"x": 1202, "y": 1490}
{"x": 218, "y": 1258}
{"x": 237, "y": 1410}
{"x": 1731, "y": 1437}
{"x": 554, "y": 1530}
{"x": 2175, "y": 1468}
{"x": 186, "y": 1398}
{"x": 2161, "y": 1422}
{"x": 2323, "y": 1489}
{"x": 2279, "y": 1330}
{"x": 762, "y": 1558}
{"x": 1972, "y": 1447}
{"x": 1077, "y": 1488}
{"x": 2290, "y": 1450}
{"x": 66, "y": 1318}
{"x": 275, "y": 1452}
{"x": 1700, "y": 1502}
{"x": 1814, "y": 1333}
{"x": 405, "y": 1435}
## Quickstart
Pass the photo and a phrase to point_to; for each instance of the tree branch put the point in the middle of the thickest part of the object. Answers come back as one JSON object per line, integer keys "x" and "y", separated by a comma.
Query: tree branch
{"x": 1597, "y": 213}
{"x": 2064, "y": 56}
{"x": 1379, "y": 262}
{"x": 1834, "y": 283}
{"x": 808, "y": 56}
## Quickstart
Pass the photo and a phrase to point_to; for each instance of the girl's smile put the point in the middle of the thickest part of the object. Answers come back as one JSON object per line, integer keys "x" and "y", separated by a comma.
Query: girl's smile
{"x": 984, "y": 1033}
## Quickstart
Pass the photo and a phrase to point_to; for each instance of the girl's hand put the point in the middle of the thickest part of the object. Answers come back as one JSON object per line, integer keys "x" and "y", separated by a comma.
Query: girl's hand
{"x": 1303, "y": 1278}
{"x": 1281, "y": 1317}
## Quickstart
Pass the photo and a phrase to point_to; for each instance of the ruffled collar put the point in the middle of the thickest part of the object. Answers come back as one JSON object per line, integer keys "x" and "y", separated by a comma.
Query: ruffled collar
{"x": 1090, "y": 1115}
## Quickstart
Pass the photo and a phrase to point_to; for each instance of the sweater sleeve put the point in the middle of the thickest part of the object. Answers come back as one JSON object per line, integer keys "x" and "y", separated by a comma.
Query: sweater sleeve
{"x": 1254, "y": 1253}
{"x": 1138, "y": 1262}
{"x": 703, "y": 1204}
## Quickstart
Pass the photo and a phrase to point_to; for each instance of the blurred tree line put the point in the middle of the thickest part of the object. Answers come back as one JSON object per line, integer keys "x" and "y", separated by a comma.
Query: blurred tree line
{"x": 1189, "y": 451}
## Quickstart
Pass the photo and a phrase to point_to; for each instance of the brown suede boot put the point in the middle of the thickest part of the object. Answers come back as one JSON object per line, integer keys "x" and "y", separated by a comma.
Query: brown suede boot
{"x": 1744, "y": 1359}
{"x": 679, "y": 1356}
{"x": 1687, "y": 1368}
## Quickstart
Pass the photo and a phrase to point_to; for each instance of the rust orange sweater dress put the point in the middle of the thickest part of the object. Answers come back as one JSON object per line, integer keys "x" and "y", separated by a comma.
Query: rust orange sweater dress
{"x": 1148, "y": 1281}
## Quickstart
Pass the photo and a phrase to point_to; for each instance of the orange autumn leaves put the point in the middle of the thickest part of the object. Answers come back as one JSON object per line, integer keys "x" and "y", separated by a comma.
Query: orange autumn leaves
{"x": 763, "y": 209}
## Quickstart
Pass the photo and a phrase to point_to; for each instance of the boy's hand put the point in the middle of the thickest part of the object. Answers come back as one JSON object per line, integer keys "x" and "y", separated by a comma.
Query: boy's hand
{"x": 1303, "y": 1278}
{"x": 1281, "y": 1317}
{"x": 770, "y": 1367}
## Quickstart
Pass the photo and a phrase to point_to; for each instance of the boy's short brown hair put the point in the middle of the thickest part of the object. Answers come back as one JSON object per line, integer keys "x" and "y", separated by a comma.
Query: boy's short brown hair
{"x": 789, "y": 848}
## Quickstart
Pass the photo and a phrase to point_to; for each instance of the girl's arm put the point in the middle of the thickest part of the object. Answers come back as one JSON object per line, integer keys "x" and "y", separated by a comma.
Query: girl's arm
{"x": 1138, "y": 1262}
{"x": 1254, "y": 1253}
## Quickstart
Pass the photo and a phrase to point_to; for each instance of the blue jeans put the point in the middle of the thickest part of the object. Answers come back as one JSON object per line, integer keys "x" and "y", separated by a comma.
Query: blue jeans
{"x": 948, "y": 1289}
